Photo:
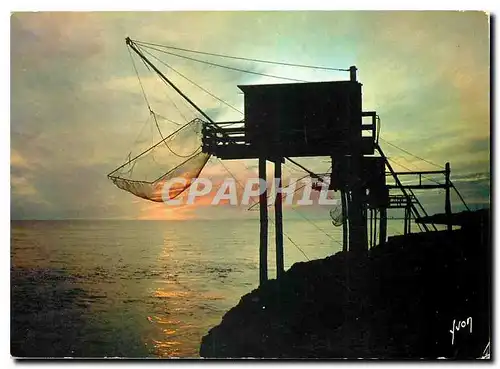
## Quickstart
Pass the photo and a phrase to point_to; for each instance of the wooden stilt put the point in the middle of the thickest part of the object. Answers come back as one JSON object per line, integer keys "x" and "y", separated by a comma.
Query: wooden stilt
{"x": 447, "y": 205}
{"x": 345, "y": 232}
{"x": 278, "y": 213}
{"x": 371, "y": 228}
{"x": 263, "y": 222}
{"x": 406, "y": 221}
{"x": 383, "y": 225}
{"x": 358, "y": 238}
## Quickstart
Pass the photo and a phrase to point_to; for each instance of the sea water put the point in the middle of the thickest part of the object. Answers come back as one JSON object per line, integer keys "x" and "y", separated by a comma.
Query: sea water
{"x": 139, "y": 288}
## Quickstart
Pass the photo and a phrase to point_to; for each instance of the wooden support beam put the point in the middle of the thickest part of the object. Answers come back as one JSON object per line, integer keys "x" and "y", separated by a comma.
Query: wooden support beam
{"x": 371, "y": 126}
{"x": 418, "y": 187}
{"x": 383, "y": 225}
{"x": 358, "y": 238}
{"x": 352, "y": 73}
{"x": 278, "y": 215}
{"x": 371, "y": 228}
{"x": 425, "y": 172}
{"x": 406, "y": 222}
{"x": 345, "y": 232}
{"x": 447, "y": 205}
{"x": 237, "y": 147}
{"x": 263, "y": 222}
{"x": 409, "y": 220}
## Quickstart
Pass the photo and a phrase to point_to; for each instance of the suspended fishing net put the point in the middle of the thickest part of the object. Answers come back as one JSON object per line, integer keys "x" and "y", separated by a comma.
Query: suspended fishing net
{"x": 336, "y": 215}
{"x": 168, "y": 150}
{"x": 178, "y": 155}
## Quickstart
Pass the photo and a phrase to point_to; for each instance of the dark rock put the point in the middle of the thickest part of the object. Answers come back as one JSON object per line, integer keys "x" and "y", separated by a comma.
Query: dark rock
{"x": 399, "y": 301}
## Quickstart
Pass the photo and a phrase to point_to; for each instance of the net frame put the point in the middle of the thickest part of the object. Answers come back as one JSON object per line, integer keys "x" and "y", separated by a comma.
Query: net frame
{"x": 153, "y": 189}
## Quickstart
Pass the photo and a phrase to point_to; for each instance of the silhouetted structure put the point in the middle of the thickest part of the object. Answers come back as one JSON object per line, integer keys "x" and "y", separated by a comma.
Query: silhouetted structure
{"x": 322, "y": 119}
{"x": 304, "y": 120}
{"x": 299, "y": 120}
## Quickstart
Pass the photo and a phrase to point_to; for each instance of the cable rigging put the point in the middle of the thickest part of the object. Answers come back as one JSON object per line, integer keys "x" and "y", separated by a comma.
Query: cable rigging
{"x": 153, "y": 114}
{"x": 228, "y": 67}
{"x": 194, "y": 83}
{"x": 245, "y": 59}
{"x": 243, "y": 187}
{"x": 409, "y": 169}
{"x": 409, "y": 153}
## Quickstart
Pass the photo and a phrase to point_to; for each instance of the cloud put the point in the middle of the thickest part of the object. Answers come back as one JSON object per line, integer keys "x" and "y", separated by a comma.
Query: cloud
{"x": 76, "y": 106}
{"x": 22, "y": 187}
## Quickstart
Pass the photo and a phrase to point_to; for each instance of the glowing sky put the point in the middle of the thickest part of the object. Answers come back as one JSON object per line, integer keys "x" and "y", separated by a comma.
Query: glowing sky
{"x": 76, "y": 106}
